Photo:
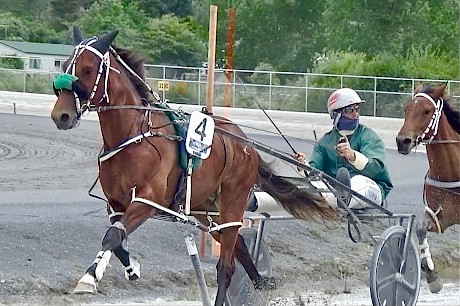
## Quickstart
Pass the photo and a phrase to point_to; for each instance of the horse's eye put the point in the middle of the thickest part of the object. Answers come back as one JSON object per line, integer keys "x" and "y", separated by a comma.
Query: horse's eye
{"x": 426, "y": 112}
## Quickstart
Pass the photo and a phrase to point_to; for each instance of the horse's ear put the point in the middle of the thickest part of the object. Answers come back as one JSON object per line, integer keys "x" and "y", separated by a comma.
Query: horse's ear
{"x": 77, "y": 35}
{"x": 104, "y": 42}
{"x": 439, "y": 91}
{"x": 418, "y": 88}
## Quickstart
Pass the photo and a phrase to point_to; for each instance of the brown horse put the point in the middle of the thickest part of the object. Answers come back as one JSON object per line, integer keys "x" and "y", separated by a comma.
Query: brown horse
{"x": 139, "y": 167}
{"x": 429, "y": 119}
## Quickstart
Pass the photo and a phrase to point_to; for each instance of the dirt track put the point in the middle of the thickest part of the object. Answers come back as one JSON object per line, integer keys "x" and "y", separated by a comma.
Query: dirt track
{"x": 51, "y": 231}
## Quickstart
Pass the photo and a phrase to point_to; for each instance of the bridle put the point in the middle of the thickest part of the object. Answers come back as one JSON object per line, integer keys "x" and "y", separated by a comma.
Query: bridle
{"x": 432, "y": 129}
{"x": 86, "y": 45}
{"x": 433, "y": 126}
{"x": 105, "y": 61}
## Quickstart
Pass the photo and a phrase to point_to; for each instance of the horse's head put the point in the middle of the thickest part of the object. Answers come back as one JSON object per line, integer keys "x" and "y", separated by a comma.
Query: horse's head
{"x": 84, "y": 82}
{"x": 421, "y": 117}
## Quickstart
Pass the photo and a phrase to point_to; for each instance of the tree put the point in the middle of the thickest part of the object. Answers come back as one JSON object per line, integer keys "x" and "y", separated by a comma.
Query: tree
{"x": 391, "y": 26}
{"x": 24, "y": 9}
{"x": 157, "y": 8}
{"x": 64, "y": 12}
{"x": 168, "y": 40}
{"x": 108, "y": 15}
{"x": 164, "y": 40}
{"x": 12, "y": 28}
{"x": 285, "y": 34}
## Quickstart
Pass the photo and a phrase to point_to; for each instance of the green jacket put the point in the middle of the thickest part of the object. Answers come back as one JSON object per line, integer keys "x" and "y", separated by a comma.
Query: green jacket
{"x": 364, "y": 140}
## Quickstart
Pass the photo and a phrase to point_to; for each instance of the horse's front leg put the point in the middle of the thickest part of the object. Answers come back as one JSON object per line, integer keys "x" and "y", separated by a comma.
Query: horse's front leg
{"x": 434, "y": 282}
{"x": 135, "y": 215}
{"x": 131, "y": 266}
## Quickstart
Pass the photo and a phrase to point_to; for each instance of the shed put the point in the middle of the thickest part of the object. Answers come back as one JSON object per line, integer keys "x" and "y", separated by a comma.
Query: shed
{"x": 40, "y": 56}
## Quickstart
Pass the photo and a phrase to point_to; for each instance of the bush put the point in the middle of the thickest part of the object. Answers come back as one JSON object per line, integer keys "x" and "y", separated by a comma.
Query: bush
{"x": 11, "y": 63}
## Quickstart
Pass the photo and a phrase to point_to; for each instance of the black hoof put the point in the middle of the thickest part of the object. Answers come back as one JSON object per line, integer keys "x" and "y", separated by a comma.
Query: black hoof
{"x": 265, "y": 283}
{"x": 435, "y": 286}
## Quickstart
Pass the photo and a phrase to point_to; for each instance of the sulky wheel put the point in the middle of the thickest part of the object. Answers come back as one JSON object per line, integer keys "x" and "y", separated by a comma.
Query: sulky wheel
{"x": 241, "y": 291}
{"x": 389, "y": 284}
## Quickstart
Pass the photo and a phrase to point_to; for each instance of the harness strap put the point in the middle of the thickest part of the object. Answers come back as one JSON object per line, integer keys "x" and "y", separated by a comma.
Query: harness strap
{"x": 441, "y": 184}
{"x": 109, "y": 154}
{"x": 215, "y": 227}
{"x": 433, "y": 214}
{"x": 159, "y": 207}
{"x": 218, "y": 227}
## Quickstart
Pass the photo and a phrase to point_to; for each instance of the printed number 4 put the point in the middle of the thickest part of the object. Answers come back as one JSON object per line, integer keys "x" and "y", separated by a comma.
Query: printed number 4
{"x": 201, "y": 126}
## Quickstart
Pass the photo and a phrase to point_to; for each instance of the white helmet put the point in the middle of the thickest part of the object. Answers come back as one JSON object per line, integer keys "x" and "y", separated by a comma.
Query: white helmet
{"x": 341, "y": 98}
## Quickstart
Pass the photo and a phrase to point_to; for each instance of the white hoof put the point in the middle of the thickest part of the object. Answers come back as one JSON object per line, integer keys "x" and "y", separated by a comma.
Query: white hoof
{"x": 85, "y": 285}
{"x": 133, "y": 272}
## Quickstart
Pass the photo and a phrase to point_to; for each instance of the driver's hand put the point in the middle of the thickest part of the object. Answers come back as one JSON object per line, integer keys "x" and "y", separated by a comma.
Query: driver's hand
{"x": 300, "y": 157}
{"x": 346, "y": 151}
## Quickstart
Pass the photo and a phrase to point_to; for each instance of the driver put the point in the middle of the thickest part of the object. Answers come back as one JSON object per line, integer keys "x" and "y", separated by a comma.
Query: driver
{"x": 353, "y": 150}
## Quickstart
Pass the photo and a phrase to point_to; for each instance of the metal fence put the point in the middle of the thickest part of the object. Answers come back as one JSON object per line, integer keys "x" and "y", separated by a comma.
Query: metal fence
{"x": 300, "y": 92}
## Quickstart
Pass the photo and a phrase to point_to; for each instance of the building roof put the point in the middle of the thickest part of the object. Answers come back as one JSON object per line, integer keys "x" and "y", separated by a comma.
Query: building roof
{"x": 39, "y": 48}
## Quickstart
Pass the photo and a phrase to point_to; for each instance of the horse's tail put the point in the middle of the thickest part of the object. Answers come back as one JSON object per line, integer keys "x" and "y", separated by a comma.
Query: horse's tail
{"x": 300, "y": 203}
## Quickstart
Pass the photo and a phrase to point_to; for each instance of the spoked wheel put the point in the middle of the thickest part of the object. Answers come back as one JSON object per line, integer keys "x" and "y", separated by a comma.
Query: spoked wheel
{"x": 241, "y": 291}
{"x": 394, "y": 279}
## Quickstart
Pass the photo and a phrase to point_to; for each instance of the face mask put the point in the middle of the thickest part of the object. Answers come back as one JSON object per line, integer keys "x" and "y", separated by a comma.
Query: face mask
{"x": 344, "y": 125}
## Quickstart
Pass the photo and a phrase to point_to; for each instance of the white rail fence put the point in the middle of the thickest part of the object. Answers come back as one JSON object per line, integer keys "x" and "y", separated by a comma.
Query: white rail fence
{"x": 288, "y": 91}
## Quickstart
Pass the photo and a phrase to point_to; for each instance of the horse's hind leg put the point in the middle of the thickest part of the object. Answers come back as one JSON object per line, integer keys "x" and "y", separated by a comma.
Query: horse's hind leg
{"x": 434, "y": 282}
{"x": 242, "y": 255}
{"x": 226, "y": 263}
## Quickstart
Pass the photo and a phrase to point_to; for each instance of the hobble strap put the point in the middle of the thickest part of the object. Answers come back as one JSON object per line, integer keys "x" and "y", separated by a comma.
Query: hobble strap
{"x": 217, "y": 227}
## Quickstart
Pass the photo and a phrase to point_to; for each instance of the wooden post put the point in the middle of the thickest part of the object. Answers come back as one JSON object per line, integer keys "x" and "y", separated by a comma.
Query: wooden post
{"x": 209, "y": 93}
{"x": 211, "y": 56}
{"x": 202, "y": 244}
{"x": 229, "y": 46}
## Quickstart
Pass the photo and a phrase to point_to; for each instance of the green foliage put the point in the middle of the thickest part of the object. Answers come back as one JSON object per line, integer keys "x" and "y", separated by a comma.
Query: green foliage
{"x": 65, "y": 12}
{"x": 411, "y": 39}
{"x": 38, "y": 83}
{"x": 11, "y": 63}
{"x": 430, "y": 63}
{"x": 168, "y": 40}
{"x": 12, "y": 28}
{"x": 157, "y": 8}
{"x": 11, "y": 81}
{"x": 107, "y": 15}
{"x": 24, "y": 10}
{"x": 264, "y": 77}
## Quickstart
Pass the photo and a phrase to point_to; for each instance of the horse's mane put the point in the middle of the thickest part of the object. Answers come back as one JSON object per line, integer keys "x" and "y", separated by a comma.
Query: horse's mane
{"x": 136, "y": 63}
{"x": 453, "y": 116}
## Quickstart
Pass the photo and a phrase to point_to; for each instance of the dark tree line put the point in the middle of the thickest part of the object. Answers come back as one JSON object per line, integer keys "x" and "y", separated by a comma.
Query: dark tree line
{"x": 298, "y": 35}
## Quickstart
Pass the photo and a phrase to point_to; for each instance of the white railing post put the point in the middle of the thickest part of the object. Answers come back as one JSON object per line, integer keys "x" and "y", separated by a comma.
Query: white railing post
{"x": 375, "y": 97}
{"x": 306, "y": 92}
{"x": 24, "y": 81}
{"x": 270, "y": 92}
{"x": 199, "y": 86}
